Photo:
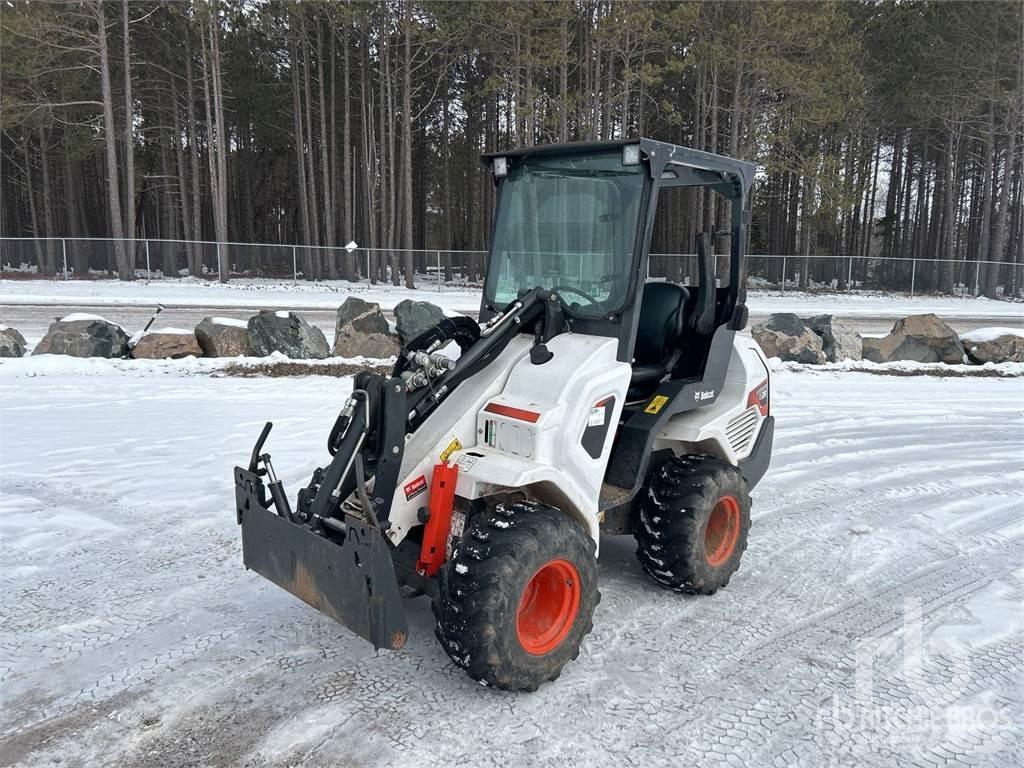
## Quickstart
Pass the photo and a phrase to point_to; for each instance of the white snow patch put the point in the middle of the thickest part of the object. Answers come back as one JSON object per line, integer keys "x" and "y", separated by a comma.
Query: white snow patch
{"x": 137, "y": 336}
{"x": 460, "y": 568}
{"x": 66, "y": 365}
{"x": 169, "y": 331}
{"x": 282, "y": 313}
{"x": 982, "y": 335}
{"x": 230, "y": 321}
{"x": 75, "y": 317}
{"x": 1004, "y": 370}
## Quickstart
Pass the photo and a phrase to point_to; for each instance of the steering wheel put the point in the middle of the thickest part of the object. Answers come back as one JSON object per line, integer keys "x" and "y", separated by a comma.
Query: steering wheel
{"x": 577, "y": 291}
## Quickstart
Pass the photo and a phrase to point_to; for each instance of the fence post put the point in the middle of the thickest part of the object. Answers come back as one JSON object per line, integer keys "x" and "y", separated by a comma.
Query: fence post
{"x": 440, "y": 275}
{"x": 64, "y": 250}
{"x": 849, "y": 276}
{"x": 295, "y": 267}
{"x": 977, "y": 278}
{"x": 369, "y": 282}
{"x": 783, "y": 273}
{"x": 220, "y": 267}
{"x": 149, "y": 272}
{"x": 913, "y": 274}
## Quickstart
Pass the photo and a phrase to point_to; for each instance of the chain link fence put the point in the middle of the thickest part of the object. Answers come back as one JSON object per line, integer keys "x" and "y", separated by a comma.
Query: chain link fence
{"x": 153, "y": 259}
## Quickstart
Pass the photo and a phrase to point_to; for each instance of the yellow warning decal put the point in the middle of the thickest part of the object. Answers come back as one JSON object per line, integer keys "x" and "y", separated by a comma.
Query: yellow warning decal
{"x": 656, "y": 404}
{"x": 453, "y": 446}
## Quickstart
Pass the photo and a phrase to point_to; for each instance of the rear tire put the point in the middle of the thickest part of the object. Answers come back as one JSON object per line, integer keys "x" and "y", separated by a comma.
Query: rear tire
{"x": 518, "y": 596}
{"x": 693, "y": 526}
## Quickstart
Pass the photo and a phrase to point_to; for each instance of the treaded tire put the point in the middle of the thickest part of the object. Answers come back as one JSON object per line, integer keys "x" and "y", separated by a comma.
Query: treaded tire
{"x": 483, "y": 584}
{"x": 678, "y": 545}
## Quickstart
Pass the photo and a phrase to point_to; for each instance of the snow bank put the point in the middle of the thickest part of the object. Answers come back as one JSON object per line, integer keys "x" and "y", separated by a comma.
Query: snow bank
{"x": 874, "y": 304}
{"x": 905, "y": 368}
{"x": 260, "y": 293}
{"x": 65, "y": 365}
{"x": 241, "y": 293}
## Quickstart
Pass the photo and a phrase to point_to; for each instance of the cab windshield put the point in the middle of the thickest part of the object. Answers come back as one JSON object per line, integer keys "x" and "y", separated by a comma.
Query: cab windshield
{"x": 567, "y": 223}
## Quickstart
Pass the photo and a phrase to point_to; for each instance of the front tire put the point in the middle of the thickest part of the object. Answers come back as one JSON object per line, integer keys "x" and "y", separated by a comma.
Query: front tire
{"x": 694, "y": 521}
{"x": 518, "y": 596}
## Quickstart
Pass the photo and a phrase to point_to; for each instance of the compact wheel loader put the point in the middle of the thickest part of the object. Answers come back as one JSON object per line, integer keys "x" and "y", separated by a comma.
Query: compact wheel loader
{"x": 586, "y": 399}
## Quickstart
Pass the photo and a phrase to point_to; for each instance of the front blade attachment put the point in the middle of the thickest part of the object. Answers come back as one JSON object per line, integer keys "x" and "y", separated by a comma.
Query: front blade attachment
{"x": 352, "y": 582}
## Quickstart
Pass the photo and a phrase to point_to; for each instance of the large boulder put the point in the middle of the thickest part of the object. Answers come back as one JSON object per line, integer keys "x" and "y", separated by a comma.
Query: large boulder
{"x": 414, "y": 317}
{"x": 362, "y": 330}
{"x": 922, "y": 338}
{"x": 82, "y": 335}
{"x": 287, "y": 333}
{"x": 223, "y": 337}
{"x": 838, "y": 340}
{"x": 12, "y": 343}
{"x": 787, "y": 337}
{"x": 994, "y": 345}
{"x": 163, "y": 343}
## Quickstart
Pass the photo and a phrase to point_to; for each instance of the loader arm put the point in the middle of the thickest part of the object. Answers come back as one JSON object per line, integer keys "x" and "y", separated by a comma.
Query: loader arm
{"x": 332, "y": 551}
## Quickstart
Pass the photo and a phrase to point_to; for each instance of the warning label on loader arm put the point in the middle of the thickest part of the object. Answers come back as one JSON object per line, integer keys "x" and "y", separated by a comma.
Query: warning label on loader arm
{"x": 656, "y": 404}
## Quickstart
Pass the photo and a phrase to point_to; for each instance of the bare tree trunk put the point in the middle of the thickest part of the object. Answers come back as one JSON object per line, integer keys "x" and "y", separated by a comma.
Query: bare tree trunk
{"x": 407, "y": 240}
{"x": 350, "y": 267}
{"x": 300, "y": 156}
{"x": 1002, "y": 214}
{"x": 32, "y": 209}
{"x": 984, "y": 237}
{"x": 563, "y": 84}
{"x": 314, "y": 210}
{"x": 949, "y": 226}
{"x": 129, "y": 131}
{"x": 170, "y": 259}
{"x": 125, "y": 269}
{"x": 79, "y": 262}
{"x": 388, "y": 129}
{"x": 446, "y": 193}
{"x": 596, "y": 131}
{"x": 215, "y": 143}
{"x": 196, "y": 253}
{"x": 48, "y": 220}
{"x": 806, "y": 229}
{"x": 712, "y": 146}
{"x": 369, "y": 157}
{"x": 179, "y": 154}
{"x": 326, "y": 176}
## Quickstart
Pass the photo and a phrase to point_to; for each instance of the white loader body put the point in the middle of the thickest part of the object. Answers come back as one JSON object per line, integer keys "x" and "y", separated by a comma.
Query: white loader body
{"x": 547, "y": 430}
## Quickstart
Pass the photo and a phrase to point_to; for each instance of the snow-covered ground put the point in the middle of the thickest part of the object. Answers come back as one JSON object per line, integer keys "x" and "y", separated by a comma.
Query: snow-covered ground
{"x": 245, "y": 293}
{"x": 876, "y": 620}
{"x": 272, "y": 294}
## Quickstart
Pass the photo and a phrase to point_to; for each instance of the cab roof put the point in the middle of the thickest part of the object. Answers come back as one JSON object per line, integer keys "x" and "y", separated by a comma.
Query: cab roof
{"x": 659, "y": 155}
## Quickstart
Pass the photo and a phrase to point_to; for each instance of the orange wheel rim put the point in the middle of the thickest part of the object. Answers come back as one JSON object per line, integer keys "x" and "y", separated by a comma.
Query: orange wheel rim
{"x": 548, "y": 607}
{"x": 722, "y": 531}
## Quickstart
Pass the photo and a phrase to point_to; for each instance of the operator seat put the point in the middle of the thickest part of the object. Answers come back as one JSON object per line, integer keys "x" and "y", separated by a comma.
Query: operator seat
{"x": 662, "y": 323}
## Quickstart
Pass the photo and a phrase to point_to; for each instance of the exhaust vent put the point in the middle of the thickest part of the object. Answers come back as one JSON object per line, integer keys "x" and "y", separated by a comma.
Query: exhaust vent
{"x": 740, "y": 430}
